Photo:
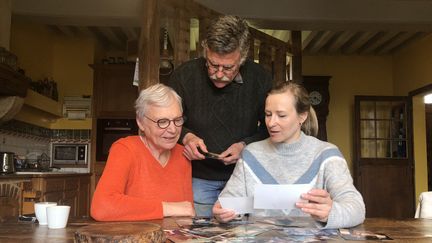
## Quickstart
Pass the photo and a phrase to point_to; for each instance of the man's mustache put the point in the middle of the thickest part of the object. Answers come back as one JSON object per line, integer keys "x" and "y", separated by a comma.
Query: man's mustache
{"x": 224, "y": 78}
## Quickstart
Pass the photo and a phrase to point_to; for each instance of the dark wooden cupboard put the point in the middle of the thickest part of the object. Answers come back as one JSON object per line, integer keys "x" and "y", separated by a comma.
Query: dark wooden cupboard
{"x": 113, "y": 92}
{"x": 319, "y": 94}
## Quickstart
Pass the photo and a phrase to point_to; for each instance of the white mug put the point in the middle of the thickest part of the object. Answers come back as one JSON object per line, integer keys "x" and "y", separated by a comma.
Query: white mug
{"x": 57, "y": 216}
{"x": 40, "y": 211}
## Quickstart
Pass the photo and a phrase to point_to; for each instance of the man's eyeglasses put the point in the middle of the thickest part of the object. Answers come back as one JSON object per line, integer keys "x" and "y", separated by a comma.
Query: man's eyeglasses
{"x": 165, "y": 122}
{"x": 225, "y": 68}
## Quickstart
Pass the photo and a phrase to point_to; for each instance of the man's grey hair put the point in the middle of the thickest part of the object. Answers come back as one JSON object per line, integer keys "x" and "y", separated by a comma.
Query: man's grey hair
{"x": 156, "y": 95}
{"x": 227, "y": 34}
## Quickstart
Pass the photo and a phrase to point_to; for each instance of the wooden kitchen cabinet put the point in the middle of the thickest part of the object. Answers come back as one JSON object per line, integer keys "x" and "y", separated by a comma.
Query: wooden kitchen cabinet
{"x": 12, "y": 83}
{"x": 113, "y": 92}
{"x": 72, "y": 190}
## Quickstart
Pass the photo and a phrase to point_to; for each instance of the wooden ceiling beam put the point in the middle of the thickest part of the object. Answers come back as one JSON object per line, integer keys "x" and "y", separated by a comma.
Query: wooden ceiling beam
{"x": 130, "y": 33}
{"x": 309, "y": 39}
{"x": 358, "y": 42}
{"x": 415, "y": 37}
{"x": 267, "y": 38}
{"x": 112, "y": 37}
{"x": 67, "y": 30}
{"x": 339, "y": 41}
{"x": 321, "y": 41}
{"x": 396, "y": 41}
{"x": 101, "y": 37}
{"x": 378, "y": 40}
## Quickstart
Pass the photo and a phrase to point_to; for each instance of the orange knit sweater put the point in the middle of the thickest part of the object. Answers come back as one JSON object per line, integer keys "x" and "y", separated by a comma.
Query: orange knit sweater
{"x": 134, "y": 184}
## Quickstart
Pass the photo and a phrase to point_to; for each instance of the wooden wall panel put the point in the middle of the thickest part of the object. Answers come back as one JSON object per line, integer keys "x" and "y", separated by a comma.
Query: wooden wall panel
{"x": 181, "y": 37}
{"x": 279, "y": 65}
{"x": 149, "y": 45}
{"x": 265, "y": 56}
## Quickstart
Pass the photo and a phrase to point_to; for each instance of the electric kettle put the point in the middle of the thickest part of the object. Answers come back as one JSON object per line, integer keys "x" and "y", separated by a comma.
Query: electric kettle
{"x": 7, "y": 164}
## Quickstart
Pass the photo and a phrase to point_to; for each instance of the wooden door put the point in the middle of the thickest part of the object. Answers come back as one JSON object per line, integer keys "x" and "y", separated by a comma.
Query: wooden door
{"x": 383, "y": 163}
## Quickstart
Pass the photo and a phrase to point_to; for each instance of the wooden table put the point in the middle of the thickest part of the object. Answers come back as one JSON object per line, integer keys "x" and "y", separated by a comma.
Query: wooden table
{"x": 408, "y": 230}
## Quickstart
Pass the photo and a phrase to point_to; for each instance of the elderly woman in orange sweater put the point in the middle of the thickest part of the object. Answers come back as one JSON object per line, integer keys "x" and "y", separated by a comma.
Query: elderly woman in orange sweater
{"x": 147, "y": 176}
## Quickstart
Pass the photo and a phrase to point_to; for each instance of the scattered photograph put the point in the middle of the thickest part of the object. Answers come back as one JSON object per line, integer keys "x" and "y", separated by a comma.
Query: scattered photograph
{"x": 351, "y": 234}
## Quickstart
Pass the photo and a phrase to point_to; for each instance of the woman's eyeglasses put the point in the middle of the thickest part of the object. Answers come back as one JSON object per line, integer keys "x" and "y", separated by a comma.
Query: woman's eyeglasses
{"x": 165, "y": 122}
{"x": 227, "y": 69}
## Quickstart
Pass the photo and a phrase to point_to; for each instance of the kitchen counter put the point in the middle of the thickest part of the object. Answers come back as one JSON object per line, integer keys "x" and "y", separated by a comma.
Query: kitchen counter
{"x": 22, "y": 175}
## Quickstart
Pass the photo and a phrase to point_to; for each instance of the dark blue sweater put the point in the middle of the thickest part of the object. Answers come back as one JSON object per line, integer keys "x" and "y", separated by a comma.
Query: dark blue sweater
{"x": 221, "y": 116}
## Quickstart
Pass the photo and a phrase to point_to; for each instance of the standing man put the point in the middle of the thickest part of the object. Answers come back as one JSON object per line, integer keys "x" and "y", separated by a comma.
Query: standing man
{"x": 223, "y": 97}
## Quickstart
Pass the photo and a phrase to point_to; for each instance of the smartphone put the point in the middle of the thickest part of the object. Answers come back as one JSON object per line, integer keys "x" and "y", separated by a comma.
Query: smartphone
{"x": 209, "y": 155}
{"x": 24, "y": 218}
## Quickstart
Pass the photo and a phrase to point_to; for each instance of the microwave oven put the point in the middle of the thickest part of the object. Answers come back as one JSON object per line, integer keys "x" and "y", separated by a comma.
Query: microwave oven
{"x": 69, "y": 154}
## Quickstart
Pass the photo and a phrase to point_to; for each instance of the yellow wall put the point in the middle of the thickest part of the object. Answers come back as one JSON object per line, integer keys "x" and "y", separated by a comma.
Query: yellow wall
{"x": 33, "y": 45}
{"x": 44, "y": 54}
{"x": 350, "y": 76}
{"x": 420, "y": 152}
{"x": 71, "y": 70}
{"x": 412, "y": 70}
{"x": 412, "y": 66}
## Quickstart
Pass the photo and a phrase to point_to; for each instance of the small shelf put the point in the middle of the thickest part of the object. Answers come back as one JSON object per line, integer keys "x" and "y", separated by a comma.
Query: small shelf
{"x": 12, "y": 83}
{"x": 42, "y": 103}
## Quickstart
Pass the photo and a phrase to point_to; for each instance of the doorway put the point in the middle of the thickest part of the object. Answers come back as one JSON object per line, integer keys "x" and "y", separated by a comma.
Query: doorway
{"x": 422, "y": 139}
{"x": 428, "y": 115}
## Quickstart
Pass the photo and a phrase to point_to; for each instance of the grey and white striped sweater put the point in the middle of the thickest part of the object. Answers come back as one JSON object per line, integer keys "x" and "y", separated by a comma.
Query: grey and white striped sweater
{"x": 290, "y": 164}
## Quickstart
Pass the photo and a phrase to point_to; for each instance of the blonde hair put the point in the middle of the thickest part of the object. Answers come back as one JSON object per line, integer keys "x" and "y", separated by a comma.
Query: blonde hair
{"x": 302, "y": 105}
{"x": 157, "y": 95}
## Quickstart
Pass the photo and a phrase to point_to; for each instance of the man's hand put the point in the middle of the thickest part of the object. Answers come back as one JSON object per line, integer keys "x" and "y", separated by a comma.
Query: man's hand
{"x": 232, "y": 154}
{"x": 319, "y": 204}
{"x": 178, "y": 209}
{"x": 191, "y": 144}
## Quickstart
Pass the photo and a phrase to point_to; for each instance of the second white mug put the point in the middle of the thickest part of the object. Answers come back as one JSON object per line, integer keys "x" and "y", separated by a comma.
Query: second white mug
{"x": 57, "y": 216}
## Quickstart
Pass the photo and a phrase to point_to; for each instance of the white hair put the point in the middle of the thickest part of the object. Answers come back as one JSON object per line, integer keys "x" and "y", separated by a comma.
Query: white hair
{"x": 156, "y": 95}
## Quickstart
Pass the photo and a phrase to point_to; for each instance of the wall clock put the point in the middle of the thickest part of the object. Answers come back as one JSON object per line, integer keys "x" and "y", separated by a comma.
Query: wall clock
{"x": 318, "y": 88}
{"x": 315, "y": 97}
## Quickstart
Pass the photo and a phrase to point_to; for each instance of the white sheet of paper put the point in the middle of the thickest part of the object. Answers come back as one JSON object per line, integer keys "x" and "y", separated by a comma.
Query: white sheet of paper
{"x": 269, "y": 196}
{"x": 240, "y": 205}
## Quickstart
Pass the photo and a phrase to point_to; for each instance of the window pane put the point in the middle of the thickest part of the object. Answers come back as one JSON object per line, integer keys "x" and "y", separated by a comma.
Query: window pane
{"x": 383, "y": 149}
{"x": 367, "y": 129}
{"x": 368, "y": 149}
{"x": 399, "y": 149}
{"x": 398, "y": 110}
{"x": 383, "y": 110}
{"x": 383, "y": 129}
{"x": 398, "y": 130}
{"x": 367, "y": 110}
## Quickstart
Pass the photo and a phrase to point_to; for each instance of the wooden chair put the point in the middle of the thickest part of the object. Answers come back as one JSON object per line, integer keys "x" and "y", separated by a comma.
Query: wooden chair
{"x": 10, "y": 199}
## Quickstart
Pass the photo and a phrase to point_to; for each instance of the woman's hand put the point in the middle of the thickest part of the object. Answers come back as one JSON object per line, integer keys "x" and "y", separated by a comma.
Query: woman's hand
{"x": 191, "y": 143}
{"x": 178, "y": 209}
{"x": 221, "y": 214}
{"x": 319, "y": 204}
